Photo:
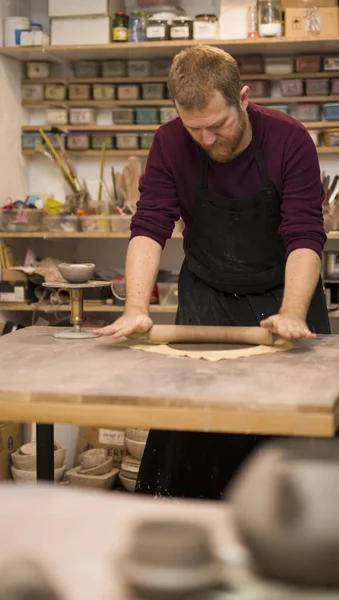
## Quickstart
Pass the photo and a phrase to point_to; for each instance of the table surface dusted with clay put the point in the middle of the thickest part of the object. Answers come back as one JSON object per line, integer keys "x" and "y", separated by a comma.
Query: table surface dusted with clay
{"x": 94, "y": 382}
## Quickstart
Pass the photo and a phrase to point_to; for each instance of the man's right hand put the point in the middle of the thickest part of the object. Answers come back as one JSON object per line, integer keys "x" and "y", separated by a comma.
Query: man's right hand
{"x": 130, "y": 322}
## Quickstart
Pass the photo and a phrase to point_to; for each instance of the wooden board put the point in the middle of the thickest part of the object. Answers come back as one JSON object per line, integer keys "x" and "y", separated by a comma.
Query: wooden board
{"x": 93, "y": 382}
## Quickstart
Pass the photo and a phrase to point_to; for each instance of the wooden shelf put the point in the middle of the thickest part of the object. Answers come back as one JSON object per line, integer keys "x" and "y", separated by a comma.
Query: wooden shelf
{"x": 264, "y": 46}
{"x": 294, "y": 99}
{"x": 333, "y": 235}
{"x": 111, "y": 128}
{"x": 89, "y": 153}
{"x": 88, "y": 307}
{"x": 95, "y": 103}
{"x": 46, "y": 235}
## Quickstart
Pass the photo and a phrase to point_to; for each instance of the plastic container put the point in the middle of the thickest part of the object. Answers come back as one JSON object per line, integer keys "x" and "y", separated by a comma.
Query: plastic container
{"x": 251, "y": 65}
{"x": 114, "y": 68}
{"x": 128, "y": 92}
{"x": 331, "y": 63}
{"x": 38, "y": 70}
{"x": 147, "y": 116}
{"x": 137, "y": 26}
{"x": 168, "y": 293}
{"x": 335, "y": 85}
{"x": 78, "y": 141}
{"x": 270, "y": 21}
{"x": 308, "y": 64}
{"x": 118, "y": 289}
{"x": 29, "y": 141}
{"x": 167, "y": 113}
{"x": 79, "y": 92}
{"x": 127, "y": 141}
{"x": 292, "y": 87}
{"x": 260, "y": 89}
{"x": 103, "y": 91}
{"x": 161, "y": 67}
{"x": 32, "y": 91}
{"x": 252, "y": 22}
{"x": 153, "y": 91}
{"x": 123, "y": 116}
{"x": 21, "y": 219}
{"x": 98, "y": 139}
{"x": 82, "y": 116}
{"x": 146, "y": 140}
{"x": 87, "y": 68}
{"x": 307, "y": 112}
{"x": 13, "y": 26}
{"x": 65, "y": 223}
{"x": 279, "y": 65}
{"x": 139, "y": 68}
{"x": 317, "y": 87}
{"x": 90, "y": 223}
{"x": 331, "y": 111}
{"x": 331, "y": 138}
{"x": 55, "y": 91}
{"x": 56, "y": 116}
{"x": 120, "y": 223}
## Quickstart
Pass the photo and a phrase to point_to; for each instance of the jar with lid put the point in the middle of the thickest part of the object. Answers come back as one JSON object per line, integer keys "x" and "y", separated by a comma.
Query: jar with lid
{"x": 157, "y": 29}
{"x": 137, "y": 26}
{"x": 181, "y": 28}
{"x": 120, "y": 27}
{"x": 252, "y": 22}
{"x": 270, "y": 21}
{"x": 205, "y": 27}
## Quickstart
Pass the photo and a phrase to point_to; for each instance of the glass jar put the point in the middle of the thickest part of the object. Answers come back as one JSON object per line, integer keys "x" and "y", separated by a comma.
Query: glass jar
{"x": 157, "y": 30}
{"x": 181, "y": 28}
{"x": 120, "y": 27}
{"x": 270, "y": 21}
{"x": 205, "y": 27}
{"x": 252, "y": 22}
{"x": 137, "y": 26}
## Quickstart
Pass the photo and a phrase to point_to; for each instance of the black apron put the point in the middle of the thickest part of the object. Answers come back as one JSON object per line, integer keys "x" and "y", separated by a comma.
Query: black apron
{"x": 233, "y": 274}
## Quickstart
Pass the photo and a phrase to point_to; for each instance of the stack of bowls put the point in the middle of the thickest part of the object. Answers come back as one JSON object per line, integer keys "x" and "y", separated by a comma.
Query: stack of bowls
{"x": 95, "y": 470}
{"x": 135, "y": 440}
{"x": 24, "y": 462}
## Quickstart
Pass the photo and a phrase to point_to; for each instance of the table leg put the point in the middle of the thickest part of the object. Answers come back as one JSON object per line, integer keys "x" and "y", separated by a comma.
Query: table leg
{"x": 45, "y": 452}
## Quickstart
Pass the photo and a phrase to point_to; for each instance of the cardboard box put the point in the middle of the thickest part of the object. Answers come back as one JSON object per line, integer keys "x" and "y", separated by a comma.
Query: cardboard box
{"x": 311, "y": 22}
{"x": 83, "y": 8}
{"x": 95, "y": 437}
{"x": 10, "y": 440}
{"x": 13, "y": 291}
{"x": 13, "y": 275}
{"x": 307, "y": 3}
{"x": 80, "y": 30}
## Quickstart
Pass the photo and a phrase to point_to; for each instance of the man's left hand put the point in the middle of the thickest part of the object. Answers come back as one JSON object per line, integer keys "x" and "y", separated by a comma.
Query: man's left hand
{"x": 288, "y": 326}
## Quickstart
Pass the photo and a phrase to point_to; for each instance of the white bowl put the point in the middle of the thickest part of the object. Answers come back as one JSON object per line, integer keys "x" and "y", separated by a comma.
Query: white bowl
{"x": 93, "y": 458}
{"x": 25, "y": 458}
{"x": 129, "y": 484}
{"x": 136, "y": 449}
{"x": 139, "y": 435}
{"x": 26, "y": 476}
{"x": 77, "y": 273}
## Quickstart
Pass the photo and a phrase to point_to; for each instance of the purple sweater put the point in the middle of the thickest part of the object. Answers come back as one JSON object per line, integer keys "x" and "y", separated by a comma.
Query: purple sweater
{"x": 170, "y": 179}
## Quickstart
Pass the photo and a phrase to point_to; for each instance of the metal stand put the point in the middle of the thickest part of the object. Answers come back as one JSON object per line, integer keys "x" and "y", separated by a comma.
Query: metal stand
{"x": 45, "y": 452}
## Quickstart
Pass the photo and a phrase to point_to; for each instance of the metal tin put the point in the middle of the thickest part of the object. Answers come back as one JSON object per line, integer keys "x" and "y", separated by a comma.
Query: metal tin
{"x": 167, "y": 113}
{"x": 98, "y": 139}
{"x": 308, "y": 64}
{"x": 260, "y": 89}
{"x": 278, "y": 65}
{"x": 335, "y": 86}
{"x": 331, "y": 63}
{"x": 331, "y": 138}
{"x": 56, "y": 116}
{"x": 205, "y": 27}
{"x": 79, "y": 92}
{"x": 103, "y": 91}
{"x": 38, "y": 70}
{"x": 181, "y": 28}
{"x": 123, "y": 116}
{"x": 331, "y": 111}
{"x": 317, "y": 87}
{"x": 127, "y": 141}
{"x": 157, "y": 30}
{"x": 29, "y": 141}
{"x": 161, "y": 67}
{"x": 87, "y": 68}
{"x": 78, "y": 141}
{"x": 139, "y": 68}
{"x": 146, "y": 140}
{"x": 308, "y": 112}
{"x": 82, "y": 116}
{"x": 32, "y": 91}
{"x": 284, "y": 108}
{"x": 147, "y": 116}
{"x": 114, "y": 68}
{"x": 55, "y": 91}
{"x": 128, "y": 92}
{"x": 251, "y": 65}
{"x": 153, "y": 91}
{"x": 292, "y": 87}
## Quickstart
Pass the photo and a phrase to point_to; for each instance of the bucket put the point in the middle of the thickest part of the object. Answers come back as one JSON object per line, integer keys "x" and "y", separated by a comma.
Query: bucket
{"x": 13, "y": 26}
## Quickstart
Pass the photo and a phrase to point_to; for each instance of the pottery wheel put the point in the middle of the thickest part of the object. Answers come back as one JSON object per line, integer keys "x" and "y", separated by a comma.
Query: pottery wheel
{"x": 76, "y": 286}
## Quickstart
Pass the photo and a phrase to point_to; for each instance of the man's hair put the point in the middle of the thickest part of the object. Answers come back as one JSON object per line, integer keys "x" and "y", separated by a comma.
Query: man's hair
{"x": 198, "y": 71}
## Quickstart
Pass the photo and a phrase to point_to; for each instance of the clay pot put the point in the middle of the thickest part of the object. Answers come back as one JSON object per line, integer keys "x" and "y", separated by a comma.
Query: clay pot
{"x": 25, "y": 457}
{"x": 285, "y": 503}
{"x": 74, "y": 273}
{"x": 93, "y": 458}
{"x": 135, "y": 448}
{"x": 28, "y": 476}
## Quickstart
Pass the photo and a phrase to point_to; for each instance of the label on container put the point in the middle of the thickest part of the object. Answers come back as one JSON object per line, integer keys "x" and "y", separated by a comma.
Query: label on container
{"x": 203, "y": 30}
{"x": 156, "y": 31}
{"x": 111, "y": 437}
{"x": 181, "y": 32}
{"x": 120, "y": 34}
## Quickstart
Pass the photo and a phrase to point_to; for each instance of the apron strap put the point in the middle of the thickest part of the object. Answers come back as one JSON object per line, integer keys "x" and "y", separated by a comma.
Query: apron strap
{"x": 203, "y": 169}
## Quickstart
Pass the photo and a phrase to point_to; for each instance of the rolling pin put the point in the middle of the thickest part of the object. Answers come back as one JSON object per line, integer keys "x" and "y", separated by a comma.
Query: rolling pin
{"x": 170, "y": 334}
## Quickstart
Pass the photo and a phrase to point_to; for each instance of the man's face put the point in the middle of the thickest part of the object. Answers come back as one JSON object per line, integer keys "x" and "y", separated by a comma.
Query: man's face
{"x": 219, "y": 128}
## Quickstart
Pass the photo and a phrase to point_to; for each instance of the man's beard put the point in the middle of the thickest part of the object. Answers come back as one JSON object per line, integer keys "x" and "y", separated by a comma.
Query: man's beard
{"x": 226, "y": 150}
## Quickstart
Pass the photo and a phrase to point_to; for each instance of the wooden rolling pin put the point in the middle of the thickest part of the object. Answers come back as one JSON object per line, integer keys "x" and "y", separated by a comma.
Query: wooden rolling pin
{"x": 170, "y": 334}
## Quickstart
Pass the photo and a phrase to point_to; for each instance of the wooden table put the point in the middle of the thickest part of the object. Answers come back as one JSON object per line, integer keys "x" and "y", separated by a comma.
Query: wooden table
{"x": 92, "y": 382}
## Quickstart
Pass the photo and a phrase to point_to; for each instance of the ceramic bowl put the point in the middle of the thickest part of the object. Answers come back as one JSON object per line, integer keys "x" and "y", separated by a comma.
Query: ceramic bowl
{"x": 139, "y": 435}
{"x": 101, "y": 469}
{"x": 93, "y": 458}
{"x": 74, "y": 273}
{"x": 27, "y": 476}
{"x": 128, "y": 483}
{"x": 105, "y": 481}
{"x": 136, "y": 449}
{"x": 25, "y": 457}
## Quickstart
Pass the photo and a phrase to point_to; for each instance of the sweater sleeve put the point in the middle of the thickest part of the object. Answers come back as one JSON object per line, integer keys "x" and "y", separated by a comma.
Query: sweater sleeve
{"x": 302, "y": 223}
{"x": 158, "y": 207}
